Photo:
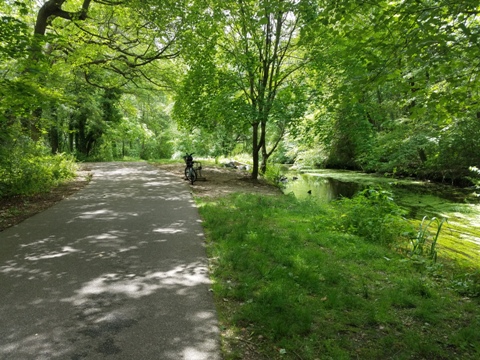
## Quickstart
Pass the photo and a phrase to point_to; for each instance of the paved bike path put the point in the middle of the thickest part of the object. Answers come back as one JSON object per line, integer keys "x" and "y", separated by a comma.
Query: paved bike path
{"x": 116, "y": 271}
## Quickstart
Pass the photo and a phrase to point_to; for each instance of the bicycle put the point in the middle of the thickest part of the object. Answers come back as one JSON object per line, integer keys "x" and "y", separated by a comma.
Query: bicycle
{"x": 190, "y": 170}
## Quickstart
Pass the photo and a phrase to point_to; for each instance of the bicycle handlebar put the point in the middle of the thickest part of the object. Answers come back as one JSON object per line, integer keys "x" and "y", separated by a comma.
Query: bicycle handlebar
{"x": 188, "y": 158}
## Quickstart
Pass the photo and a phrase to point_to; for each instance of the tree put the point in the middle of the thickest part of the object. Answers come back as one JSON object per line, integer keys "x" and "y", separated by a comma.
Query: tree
{"x": 407, "y": 70}
{"x": 64, "y": 68}
{"x": 251, "y": 62}
{"x": 105, "y": 44}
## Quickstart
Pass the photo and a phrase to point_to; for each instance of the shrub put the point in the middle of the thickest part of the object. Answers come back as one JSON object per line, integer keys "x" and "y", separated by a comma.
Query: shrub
{"x": 475, "y": 179}
{"x": 29, "y": 169}
{"x": 373, "y": 215}
{"x": 274, "y": 173}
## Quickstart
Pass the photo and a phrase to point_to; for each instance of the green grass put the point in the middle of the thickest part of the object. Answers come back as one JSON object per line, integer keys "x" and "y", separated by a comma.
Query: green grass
{"x": 292, "y": 284}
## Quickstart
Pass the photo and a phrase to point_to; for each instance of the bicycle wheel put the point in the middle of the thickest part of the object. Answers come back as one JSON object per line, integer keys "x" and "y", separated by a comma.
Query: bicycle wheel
{"x": 186, "y": 172}
{"x": 192, "y": 175}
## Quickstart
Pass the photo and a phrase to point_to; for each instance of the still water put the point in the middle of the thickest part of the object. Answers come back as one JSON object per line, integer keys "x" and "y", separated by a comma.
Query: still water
{"x": 322, "y": 187}
{"x": 461, "y": 207}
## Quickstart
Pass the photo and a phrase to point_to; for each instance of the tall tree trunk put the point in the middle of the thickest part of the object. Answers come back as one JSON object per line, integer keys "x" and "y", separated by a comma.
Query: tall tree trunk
{"x": 255, "y": 150}
{"x": 263, "y": 142}
{"x": 265, "y": 153}
{"x": 83, "y": 138}
{"x": 71, "y": 138}
{"x": 54, "y": 139}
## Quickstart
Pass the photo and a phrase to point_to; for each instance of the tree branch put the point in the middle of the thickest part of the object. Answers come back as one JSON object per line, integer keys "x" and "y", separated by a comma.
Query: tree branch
{"x": 53, "y": 8}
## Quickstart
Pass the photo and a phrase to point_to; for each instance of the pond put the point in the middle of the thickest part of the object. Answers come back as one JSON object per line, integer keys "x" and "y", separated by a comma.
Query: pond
{"x": 460, "y": 235}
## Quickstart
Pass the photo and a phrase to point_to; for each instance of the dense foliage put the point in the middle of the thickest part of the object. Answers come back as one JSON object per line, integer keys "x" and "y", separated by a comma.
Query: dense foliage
{"x": 399, "y": 89}
{"x": 380, "y": 86}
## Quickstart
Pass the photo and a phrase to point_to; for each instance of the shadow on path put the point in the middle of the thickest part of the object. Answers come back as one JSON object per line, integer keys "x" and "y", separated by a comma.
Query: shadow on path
{"x": 116, "y": 271}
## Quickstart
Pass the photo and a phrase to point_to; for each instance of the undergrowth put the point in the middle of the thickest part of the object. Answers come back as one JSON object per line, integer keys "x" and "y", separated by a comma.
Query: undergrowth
{"x": 301, "y": 280}
{"x": 29, "y": 169}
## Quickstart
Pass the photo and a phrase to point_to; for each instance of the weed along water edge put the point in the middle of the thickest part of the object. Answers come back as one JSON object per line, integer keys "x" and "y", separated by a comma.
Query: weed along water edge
{"x": 460, "y": 235}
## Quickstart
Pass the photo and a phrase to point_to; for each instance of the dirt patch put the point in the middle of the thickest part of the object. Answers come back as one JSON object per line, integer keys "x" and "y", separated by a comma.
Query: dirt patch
{"x": 217, "y": 181}
{"x": 15, "y": 209}
{"x": 220, "y": 181}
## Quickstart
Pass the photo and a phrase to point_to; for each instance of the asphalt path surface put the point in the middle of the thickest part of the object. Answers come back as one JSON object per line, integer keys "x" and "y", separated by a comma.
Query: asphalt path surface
{"x": 116, "y": 271}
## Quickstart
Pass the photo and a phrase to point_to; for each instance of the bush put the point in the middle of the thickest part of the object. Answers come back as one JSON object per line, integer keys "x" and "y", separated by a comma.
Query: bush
{"x": 274, "y": 173}
{"x": 29, "y": 169}
{"x": 373, "y": 215}
{"x": 475, "y": 179}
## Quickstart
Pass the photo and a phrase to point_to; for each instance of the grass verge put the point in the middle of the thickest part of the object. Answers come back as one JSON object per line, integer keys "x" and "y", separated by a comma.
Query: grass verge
{"x": 292, "y": 284}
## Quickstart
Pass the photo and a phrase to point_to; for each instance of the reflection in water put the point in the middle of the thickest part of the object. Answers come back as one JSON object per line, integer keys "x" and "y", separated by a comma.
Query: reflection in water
{"x": 322, "y": 188}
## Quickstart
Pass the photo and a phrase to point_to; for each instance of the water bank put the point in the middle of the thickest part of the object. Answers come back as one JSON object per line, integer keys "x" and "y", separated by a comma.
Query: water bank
{"x": 460, "y": 236}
